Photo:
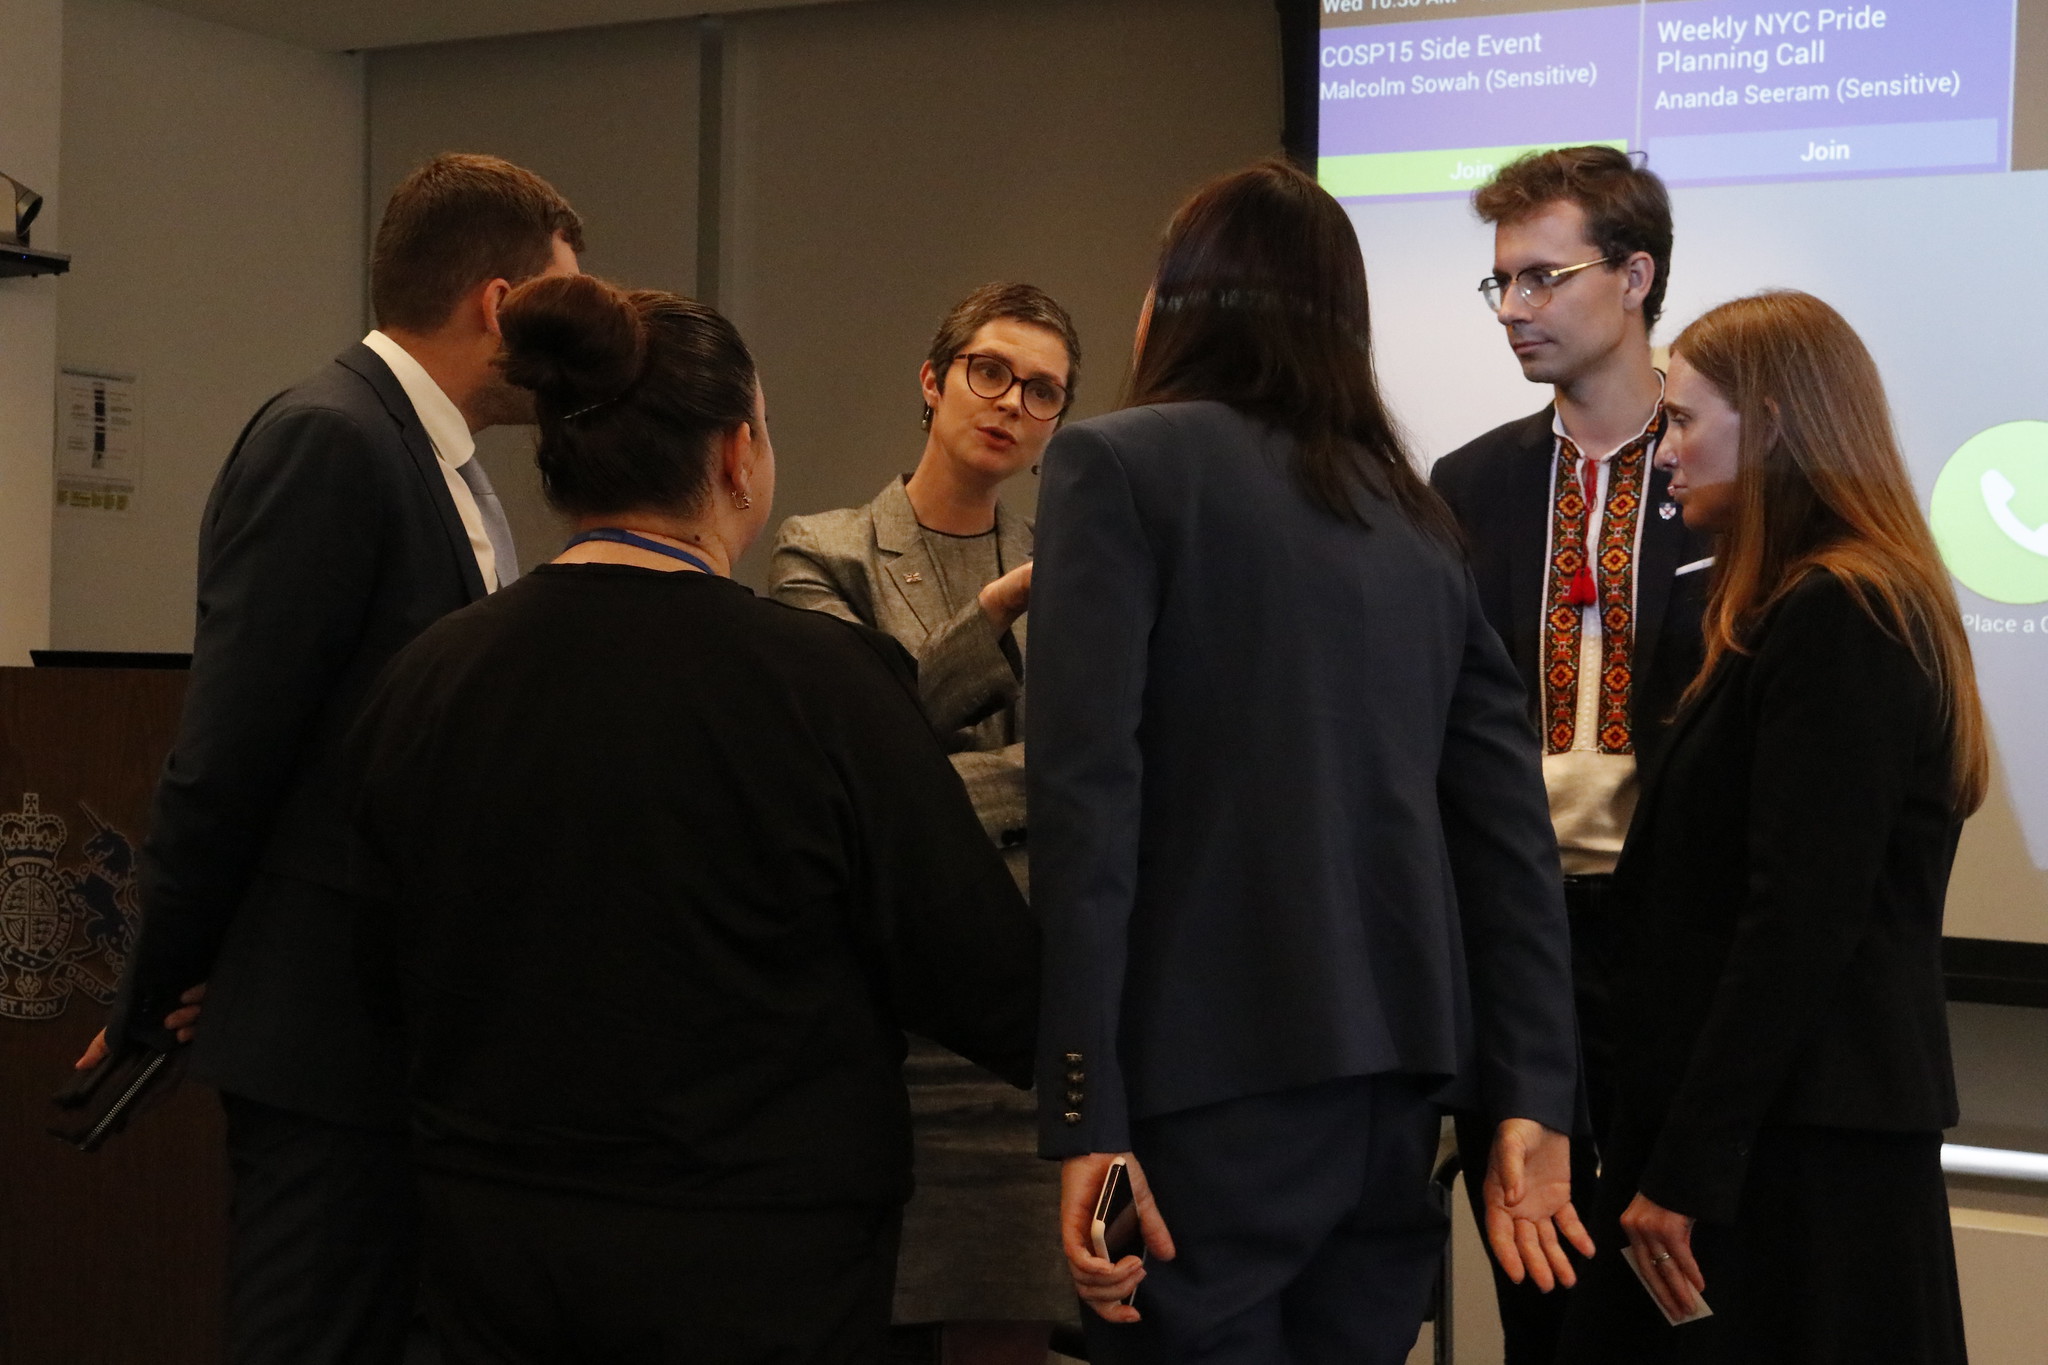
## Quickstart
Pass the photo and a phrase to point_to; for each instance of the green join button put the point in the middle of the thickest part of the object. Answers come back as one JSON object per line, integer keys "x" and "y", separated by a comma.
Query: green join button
{"x": 1458, "y": 170}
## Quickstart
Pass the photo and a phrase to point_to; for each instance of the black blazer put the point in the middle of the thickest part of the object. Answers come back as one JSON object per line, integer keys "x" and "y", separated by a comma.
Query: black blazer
{"x": 328, "y": 542}
{"x": 1498, "y": 486}
{"x": 1782, "y": 893}
{"x": 1287, "y": 818}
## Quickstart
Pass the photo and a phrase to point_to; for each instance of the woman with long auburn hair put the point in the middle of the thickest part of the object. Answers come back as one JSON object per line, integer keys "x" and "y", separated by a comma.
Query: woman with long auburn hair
{"x": 1785, "y": 1072}
{"x": 1291, "y": 846}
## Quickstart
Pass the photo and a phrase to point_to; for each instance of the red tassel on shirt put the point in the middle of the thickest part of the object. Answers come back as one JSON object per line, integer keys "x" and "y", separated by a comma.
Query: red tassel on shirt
{"x": 1582, "y": 593}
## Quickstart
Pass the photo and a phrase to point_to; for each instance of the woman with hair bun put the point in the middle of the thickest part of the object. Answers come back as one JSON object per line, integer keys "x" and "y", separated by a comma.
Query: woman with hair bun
{"x": 667, "y": 869}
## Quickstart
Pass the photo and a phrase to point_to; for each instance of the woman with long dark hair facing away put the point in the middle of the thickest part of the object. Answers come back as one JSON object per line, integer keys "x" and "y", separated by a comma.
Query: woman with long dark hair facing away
{"x": 1291, "y": 848}
{"x": 668, "y": 869}
{"x": 1784, "y": 1067}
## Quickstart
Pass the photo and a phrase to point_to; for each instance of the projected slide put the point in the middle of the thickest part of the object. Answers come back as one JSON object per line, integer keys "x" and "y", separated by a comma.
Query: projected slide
{"x": 1716, "y": 91}
{"x": 1890, "y": 157}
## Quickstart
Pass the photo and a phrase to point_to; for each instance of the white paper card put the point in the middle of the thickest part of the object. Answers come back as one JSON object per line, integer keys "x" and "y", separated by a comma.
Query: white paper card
{"x": 1628, "y": 1253}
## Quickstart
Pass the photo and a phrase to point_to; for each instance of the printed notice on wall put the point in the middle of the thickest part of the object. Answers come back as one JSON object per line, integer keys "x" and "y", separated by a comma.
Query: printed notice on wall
{"x": 99, "y": 441}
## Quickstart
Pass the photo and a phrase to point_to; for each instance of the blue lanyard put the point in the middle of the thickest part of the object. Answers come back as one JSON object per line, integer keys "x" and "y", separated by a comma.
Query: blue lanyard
{"x": 618, "y": 537}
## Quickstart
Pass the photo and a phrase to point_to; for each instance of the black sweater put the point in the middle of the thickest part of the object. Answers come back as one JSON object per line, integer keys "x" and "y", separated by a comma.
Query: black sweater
{"x": 665, "y": 869}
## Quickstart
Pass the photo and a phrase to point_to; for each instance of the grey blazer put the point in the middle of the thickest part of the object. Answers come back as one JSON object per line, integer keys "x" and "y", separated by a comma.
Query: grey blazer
{"x": 869, "y": 564}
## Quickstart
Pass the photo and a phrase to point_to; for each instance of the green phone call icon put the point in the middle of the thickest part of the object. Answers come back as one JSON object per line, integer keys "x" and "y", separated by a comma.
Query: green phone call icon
{"x": 1990, "y": 513}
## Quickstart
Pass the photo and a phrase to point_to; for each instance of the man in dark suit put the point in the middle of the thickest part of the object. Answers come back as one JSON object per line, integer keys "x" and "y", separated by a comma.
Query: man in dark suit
{"x": 350, "y": 515}
{"x": 1582, "y": 562}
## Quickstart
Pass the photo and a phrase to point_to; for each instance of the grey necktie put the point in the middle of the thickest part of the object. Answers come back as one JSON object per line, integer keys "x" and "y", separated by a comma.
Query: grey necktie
{"x": 496, "y": 529}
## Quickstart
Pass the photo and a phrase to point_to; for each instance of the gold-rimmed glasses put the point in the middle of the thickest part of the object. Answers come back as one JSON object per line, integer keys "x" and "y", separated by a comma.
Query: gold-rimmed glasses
{"x": 1535, "y": 285}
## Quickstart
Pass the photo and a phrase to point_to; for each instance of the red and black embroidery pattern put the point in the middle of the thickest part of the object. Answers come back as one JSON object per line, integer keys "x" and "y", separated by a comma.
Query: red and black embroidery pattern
{"x": 1612, "y": 570}
{"x": 1560, "y": 613}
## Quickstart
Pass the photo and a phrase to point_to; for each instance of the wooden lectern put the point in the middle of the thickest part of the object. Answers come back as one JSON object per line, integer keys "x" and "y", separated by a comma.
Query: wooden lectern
{"x": 116, "y": 1257}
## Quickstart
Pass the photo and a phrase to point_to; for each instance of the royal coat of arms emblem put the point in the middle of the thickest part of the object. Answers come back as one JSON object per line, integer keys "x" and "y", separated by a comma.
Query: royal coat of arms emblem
{"x": 62, "y": 928}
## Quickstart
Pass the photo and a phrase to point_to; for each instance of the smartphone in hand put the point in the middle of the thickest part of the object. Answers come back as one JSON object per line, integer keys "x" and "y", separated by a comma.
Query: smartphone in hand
{"x": 1116, "y": 1230}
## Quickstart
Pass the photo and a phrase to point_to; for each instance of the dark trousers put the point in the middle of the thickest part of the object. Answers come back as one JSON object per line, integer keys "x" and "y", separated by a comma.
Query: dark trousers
{"x": 1305, "y": 1224}
{"x": 1840, "y": 1254}
{"x": 1531, "y": 1321}
{"x": 521, "y": 1276}
{"x": 323, "y": 1251}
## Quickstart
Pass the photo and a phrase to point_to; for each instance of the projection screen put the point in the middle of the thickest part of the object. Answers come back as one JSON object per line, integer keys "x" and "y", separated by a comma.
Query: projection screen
{"x": 1891, "y": 158}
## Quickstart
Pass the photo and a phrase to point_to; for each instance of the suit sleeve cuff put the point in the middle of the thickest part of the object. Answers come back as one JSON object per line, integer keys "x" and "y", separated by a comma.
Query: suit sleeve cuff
{"x": 1701, "y": 1178}
{"x": 1550, "y": 1099}
{"x": 964, "y": 674}
{"x": 1076, "y": 1117}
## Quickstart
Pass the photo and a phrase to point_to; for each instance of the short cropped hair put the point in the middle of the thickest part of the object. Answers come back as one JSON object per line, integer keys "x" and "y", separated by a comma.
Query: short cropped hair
{"x": 996, "y": 302}
{"x": 453, "y": 224}
{"x": 1626, "y": 207}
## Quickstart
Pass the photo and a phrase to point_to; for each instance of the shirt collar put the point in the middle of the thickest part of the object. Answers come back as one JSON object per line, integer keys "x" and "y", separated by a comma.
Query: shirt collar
{"x": 1557, "y": 427}
{"x": 453, "y": 441}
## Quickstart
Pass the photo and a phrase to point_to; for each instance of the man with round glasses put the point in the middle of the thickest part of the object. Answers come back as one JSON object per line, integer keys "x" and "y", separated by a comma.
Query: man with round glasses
{"x": 939, "y": 563}
{"x": 1583, "y": 565}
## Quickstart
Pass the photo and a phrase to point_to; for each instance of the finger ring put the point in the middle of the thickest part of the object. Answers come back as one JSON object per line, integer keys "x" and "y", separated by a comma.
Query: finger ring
{"x": 1660, "y": 1258}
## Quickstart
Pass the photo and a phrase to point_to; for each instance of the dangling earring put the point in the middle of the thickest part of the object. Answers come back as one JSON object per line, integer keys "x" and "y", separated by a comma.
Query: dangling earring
{"x": 925, "y": 422}
{"x": 742, "y": 501}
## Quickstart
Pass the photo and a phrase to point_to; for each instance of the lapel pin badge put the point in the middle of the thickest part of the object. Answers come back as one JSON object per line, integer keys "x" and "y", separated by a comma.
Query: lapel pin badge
{"x": 1667, "y": 510}
{"x": 913, "y": 578}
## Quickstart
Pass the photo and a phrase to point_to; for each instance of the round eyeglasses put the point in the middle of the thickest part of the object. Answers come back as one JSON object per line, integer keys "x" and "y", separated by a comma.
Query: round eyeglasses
{"x": 1535, "y": 285}
{"x": 991, "y": 377}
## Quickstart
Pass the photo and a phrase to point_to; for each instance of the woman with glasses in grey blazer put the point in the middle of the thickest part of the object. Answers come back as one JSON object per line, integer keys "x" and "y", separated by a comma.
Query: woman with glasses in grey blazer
{"x": 936, "y": 561}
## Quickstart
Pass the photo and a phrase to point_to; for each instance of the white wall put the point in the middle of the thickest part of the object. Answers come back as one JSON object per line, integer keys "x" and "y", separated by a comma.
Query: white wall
{"x": 364, "y": 24}
{"x": 884, "y": 159}
{"x": 31, "y": 39}
{"x": 862, "y": 194}
{"x": 212, "y": 186}
{"x": 2002, "y": 1262}
{"x": 608, "y": 117}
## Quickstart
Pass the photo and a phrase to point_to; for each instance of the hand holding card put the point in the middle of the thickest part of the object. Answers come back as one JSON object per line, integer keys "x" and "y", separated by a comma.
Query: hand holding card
{"x": 1699, "y": 1309}
{"x": 1659, "y": 1251}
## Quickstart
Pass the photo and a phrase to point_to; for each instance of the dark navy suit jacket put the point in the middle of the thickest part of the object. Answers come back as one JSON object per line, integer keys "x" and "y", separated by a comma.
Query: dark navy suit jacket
{"x": 1288, "y": 820}
{"x": 329, "y": 541}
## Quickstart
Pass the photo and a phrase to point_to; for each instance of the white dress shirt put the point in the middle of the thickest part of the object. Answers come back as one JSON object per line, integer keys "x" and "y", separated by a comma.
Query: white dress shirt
{"x": 454, "y": 446}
